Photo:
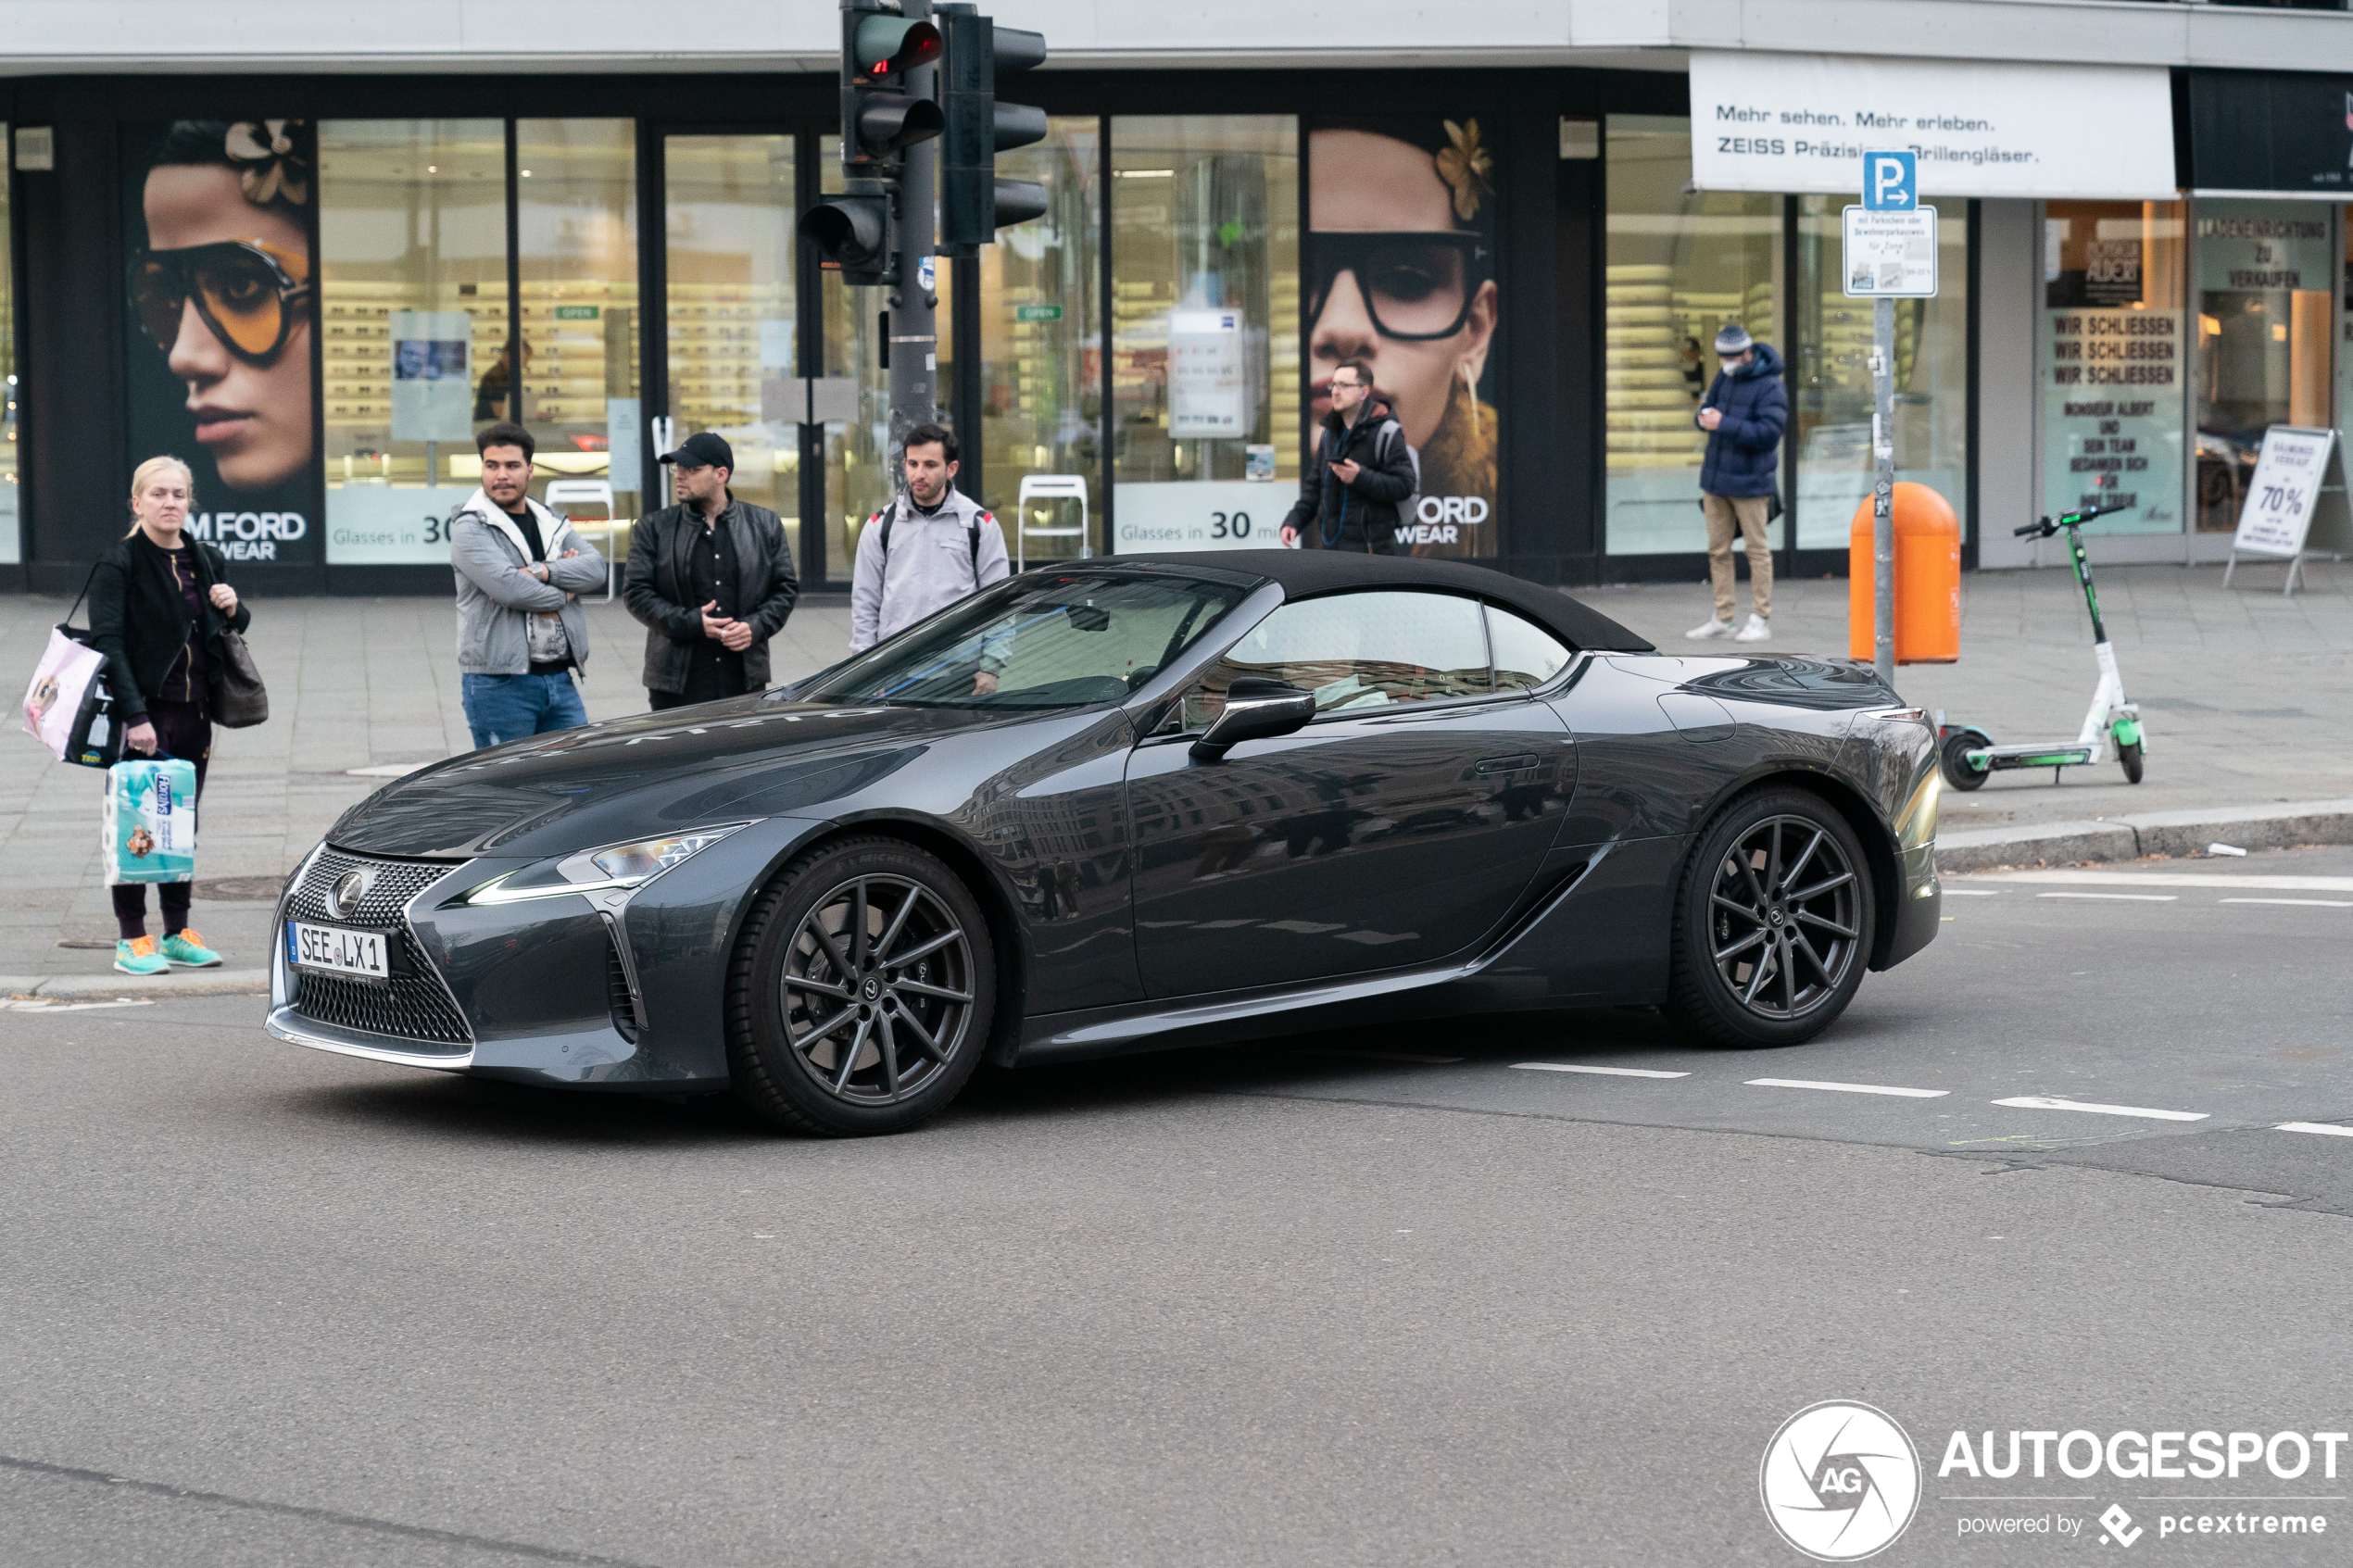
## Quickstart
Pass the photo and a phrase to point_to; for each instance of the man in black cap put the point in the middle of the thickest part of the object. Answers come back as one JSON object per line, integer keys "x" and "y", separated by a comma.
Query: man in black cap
{"x": 711, "y": 578}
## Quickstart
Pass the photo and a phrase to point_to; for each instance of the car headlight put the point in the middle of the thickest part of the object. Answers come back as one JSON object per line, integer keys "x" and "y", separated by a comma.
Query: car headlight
{"x": 599, "y": 870}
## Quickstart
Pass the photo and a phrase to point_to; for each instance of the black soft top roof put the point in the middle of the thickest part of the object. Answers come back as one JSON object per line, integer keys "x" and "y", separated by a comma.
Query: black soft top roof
{"x": 1305, "y": 574}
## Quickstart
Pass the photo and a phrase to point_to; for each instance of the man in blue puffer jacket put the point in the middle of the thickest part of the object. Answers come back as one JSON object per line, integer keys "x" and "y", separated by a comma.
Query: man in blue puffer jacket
{"x": 1744, "y": 412}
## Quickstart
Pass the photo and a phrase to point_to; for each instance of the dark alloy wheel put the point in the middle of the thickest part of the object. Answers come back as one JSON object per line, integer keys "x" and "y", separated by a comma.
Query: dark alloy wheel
{"x": 1773, "y": 928}
{"x": 1953, "y": 757}
{"x": 862, "y": 991}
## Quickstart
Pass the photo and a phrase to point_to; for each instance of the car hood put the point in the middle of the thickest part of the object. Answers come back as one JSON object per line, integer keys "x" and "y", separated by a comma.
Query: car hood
{"x": 657, "y": 773}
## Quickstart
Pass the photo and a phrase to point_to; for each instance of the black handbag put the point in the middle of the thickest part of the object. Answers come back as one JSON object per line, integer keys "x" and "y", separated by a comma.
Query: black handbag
{"x": 239, "y": 699}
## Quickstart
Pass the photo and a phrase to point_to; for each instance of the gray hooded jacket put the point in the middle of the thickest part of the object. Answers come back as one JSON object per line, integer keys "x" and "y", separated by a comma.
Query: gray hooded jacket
{"x": 497, "y": 598}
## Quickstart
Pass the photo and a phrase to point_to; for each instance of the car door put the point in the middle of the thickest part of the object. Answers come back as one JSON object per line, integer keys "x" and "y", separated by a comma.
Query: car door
{"x": 1397, "y": 828}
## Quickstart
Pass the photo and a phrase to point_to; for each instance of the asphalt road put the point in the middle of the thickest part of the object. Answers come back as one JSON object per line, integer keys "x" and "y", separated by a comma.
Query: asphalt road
{"x": 1396, "y": 1296}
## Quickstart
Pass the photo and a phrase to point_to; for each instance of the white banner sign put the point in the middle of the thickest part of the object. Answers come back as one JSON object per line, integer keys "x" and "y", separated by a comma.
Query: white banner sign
{"x": 1802, "y": 123}
{"x": 1219, "y": 514}
{"x": 2292, "y": 479}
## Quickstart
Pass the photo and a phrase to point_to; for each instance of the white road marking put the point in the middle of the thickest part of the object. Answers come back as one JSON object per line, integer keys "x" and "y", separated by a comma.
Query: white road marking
{"x": 1846, "y": 1089}
{"x": 1376, "y": 1056}
{"x": 36, "y": 1004}
{"x": 2052, "y": 1102}
{"x": 1972, "y": 892}
{"x": 2129, "y": 898}
{"x": 2182, "y": 879}
{"x": 2331, "y": 1128}
{"x": 1606, "y": 1072}
{"x": 2308, "y": 903}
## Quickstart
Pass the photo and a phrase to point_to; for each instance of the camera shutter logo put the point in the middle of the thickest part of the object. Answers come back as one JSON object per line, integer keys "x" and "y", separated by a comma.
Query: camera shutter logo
{"x": 344, "y": 898}
{"x": 1840, "y": 1481}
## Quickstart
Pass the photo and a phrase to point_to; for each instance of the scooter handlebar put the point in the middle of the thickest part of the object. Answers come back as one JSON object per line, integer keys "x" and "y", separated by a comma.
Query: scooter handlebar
{"x": 2045, "y": 527}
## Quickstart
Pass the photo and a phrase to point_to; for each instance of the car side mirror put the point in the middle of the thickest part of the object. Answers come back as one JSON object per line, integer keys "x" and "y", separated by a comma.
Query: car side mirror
{"x": 1256, "y": 708}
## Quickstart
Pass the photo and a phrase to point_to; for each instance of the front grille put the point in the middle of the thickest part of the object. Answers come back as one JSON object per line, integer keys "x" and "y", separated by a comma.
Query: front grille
{"x": 415, "y": 1008}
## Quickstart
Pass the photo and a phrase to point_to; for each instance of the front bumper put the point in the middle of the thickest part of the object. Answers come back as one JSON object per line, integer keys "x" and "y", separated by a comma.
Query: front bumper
{"x": 625, "y": 992}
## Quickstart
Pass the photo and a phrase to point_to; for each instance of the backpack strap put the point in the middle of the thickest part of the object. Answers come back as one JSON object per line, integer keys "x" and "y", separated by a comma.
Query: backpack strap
{"x": 890, "y": 516}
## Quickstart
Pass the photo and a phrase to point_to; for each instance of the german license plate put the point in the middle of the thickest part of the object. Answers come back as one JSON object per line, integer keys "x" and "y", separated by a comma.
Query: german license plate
{"x": 335, "y": 951}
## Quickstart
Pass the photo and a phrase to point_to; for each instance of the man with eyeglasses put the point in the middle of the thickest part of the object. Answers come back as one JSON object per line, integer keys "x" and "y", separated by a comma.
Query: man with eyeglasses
{"x": 1744, "y": 412}
{"x": 1358, "y": 471}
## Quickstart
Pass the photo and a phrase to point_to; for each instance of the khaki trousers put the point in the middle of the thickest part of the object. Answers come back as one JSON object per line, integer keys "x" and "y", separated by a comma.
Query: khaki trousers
{"x": 1744, "y": 515}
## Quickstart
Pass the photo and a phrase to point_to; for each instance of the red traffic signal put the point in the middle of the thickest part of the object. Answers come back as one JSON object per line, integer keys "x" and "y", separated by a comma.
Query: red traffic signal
{"x": 893, "y": 45}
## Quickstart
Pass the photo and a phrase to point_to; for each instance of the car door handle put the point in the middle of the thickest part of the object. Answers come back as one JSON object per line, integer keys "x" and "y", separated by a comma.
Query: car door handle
{"x": 1507, "y": 764}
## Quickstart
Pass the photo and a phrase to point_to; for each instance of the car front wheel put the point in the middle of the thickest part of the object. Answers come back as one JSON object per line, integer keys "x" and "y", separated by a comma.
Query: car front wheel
{"x": 861, "y": 992}
{"x": 1772, "y": 924}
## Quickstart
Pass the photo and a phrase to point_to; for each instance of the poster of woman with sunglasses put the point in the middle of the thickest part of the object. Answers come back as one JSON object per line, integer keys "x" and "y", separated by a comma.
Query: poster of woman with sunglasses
{"x": 223, "y": 318}
{"x": 1401, "y": 217}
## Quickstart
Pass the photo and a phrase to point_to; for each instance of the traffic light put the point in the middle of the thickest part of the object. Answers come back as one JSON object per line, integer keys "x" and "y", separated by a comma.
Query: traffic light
{"x": 975, "y": 204}
{"x": 878, "y": 122}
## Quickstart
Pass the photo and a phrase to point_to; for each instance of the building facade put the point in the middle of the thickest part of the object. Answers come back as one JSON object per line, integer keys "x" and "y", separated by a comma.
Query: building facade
{"x": 314, "y": 257}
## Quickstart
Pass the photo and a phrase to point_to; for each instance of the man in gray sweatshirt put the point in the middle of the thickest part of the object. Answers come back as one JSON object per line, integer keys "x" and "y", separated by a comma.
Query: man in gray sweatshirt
{"x": 521, "y": 572}
{"x": 928, "y": 547}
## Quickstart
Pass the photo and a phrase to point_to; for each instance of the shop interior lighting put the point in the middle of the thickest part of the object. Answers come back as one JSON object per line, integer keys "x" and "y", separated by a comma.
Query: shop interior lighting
{"x": 1147, "y": 174}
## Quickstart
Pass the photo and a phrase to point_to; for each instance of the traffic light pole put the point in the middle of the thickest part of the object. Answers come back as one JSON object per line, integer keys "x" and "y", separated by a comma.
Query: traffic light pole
{"x": 911, "y": 330}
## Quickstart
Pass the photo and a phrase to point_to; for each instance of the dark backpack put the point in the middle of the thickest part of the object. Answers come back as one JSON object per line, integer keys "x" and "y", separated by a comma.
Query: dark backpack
{"x": 971, "y": 532}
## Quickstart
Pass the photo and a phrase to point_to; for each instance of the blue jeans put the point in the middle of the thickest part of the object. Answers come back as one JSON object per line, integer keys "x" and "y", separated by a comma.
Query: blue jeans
{"x": 504, "y": 708}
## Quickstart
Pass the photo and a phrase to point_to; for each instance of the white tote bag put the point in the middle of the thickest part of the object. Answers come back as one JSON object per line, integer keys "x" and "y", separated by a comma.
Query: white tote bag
{"x": 63, "y": 678}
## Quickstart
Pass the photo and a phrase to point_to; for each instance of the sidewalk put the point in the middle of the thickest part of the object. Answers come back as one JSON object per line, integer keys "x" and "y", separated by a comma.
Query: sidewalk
{"x": 2237, "y": 689}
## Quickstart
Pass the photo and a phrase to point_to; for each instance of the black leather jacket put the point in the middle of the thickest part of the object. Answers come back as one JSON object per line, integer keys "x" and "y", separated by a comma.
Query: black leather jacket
{"x": 660, "y": 589}
{"x": 139, "y": 621}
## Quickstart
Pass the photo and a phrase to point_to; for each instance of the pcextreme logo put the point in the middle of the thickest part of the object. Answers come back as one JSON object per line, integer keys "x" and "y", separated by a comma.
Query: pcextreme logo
{"x": 1840, "y": 1481}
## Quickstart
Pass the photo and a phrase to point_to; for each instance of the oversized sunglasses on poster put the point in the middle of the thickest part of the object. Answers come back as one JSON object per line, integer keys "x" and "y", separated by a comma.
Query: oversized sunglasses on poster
{"x": 248, "y": 292}
{"x": 1417, "y": 284}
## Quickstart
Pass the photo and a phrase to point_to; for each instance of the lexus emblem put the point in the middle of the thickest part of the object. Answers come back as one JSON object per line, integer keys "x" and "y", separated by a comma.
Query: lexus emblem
{"x": 345, "y": 894}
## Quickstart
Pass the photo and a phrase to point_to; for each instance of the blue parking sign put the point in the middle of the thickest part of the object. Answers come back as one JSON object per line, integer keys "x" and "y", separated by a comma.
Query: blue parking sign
{"x": 1890, "y": 181}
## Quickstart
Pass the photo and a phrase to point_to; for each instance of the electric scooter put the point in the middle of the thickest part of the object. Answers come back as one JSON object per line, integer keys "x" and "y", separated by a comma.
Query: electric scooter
{"x": 2111, "y": 729}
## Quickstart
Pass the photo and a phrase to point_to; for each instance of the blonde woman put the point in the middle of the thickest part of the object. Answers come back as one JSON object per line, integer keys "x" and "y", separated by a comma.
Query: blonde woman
{"x": 158, "y": 603}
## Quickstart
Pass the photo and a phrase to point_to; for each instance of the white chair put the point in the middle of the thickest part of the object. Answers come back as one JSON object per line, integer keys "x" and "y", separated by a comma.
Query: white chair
{"x": 1050, "y": 487}
{"x": 562, "y": 493}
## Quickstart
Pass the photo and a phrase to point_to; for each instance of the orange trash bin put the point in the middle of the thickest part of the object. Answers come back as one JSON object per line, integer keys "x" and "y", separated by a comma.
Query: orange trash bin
{"x": 1928, "y": 579}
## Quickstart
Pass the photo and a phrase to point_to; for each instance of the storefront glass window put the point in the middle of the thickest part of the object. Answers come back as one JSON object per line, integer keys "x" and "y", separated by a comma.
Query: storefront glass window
{"x": 1831, "y": 407}
{"x": 576, "y": 220}
{"x": 2266, "y": 302}
{"x": 1205, "y": 368}
{"x": 2113, "y": 358}
{"x": 11, "y": 546}
{"x": 729, "y": 253}
{"x": 1041, "y": 343}
{"x": 413, "y": 235}
{"x": 1680, "y": 266}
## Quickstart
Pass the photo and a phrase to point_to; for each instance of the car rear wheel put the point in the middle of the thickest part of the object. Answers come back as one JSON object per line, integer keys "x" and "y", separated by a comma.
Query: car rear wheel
{"x": 1772, "y": 923}
{"x": 861, "y": 992}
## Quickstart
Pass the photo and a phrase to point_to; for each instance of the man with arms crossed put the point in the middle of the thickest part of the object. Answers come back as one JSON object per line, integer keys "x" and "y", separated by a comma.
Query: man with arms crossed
{"x": 712, "y": 580}
{"x": 521, "y": 572}
{"x": 929, "y": 547}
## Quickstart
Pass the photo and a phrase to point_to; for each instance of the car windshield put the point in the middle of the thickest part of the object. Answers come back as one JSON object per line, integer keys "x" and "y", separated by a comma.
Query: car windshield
{"x": 1041, "y": 640}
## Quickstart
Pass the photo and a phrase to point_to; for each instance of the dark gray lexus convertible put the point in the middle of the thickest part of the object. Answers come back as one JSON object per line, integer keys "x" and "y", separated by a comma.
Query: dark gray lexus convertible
{"x": 1126, "y": 804}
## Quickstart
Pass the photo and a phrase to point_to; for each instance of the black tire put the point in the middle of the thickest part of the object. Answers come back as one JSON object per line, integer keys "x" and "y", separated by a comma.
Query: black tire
{"x": 1952, "y": 757}
{"x": 1779, "y": 874}
{"x": 2131, "y": 757}
{"x": 887, "y": 1048}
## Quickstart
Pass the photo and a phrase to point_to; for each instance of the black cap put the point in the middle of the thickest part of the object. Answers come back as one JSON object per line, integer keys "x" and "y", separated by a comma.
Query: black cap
{"x": 703, "y": 449}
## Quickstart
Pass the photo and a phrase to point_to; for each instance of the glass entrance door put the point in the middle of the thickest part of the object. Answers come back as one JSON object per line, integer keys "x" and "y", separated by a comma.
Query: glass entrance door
{"x": 731, "y": 294}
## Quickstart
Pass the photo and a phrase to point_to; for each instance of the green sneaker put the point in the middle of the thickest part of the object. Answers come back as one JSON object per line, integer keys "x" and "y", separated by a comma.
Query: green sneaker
{"x": 186, "y": 949}
{"x": 139, "y": 957}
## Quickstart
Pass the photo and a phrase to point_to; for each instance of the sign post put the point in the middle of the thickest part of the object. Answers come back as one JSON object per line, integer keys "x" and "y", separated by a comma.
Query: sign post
{"x": 2296, "y": 503}
{"x": 1890, "y": 253}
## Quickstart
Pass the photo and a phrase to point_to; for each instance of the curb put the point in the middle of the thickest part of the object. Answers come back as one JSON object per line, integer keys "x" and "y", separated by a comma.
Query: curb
{"x": 192, "y": 983}
{"x": 2279, "y": 826}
